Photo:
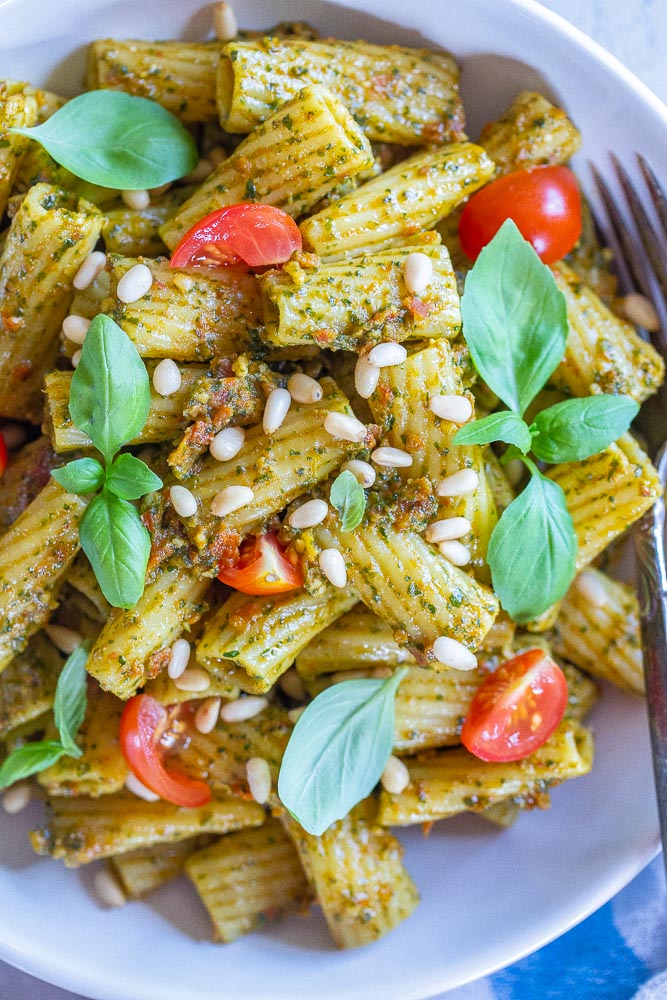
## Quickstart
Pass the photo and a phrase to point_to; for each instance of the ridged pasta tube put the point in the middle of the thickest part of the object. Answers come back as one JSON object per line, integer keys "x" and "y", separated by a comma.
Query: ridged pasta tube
{"x": 28, "y": 685}
{"x": 532, "y": 132}
{"x": 142, "y": 872}
{"x": 17, "y": 110}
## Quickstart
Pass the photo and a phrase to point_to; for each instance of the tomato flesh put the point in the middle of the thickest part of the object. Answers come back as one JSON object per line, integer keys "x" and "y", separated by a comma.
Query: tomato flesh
{"x": 544, "y": 202}
{"x": 141, "y": 725}
{"x": 262, "y": 569}
{"x": 517, "y": 708}
{"x": 248, "y": 233}
{"x": 3, "y": 455}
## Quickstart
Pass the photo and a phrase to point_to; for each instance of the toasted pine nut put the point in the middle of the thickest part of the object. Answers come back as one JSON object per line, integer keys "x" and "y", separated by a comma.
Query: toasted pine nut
{"x": 641, "y": 311}
{"x": 207, "y": 714}
{"x": 304, "y": 389}
{"x": 16, "y": 798}
{"x": 258, "y": 774}
{"x": 135, "y": 283}
{"x": 183, "y": 501}
{"x": 75, "y": 328}
{"x": 457, "y": 409}
{"x": 366, "y": 378}
{"x": 387, "y": 354}
{"x": 137, "y": 200}
{"x": 230, "y": 499}
{"x": 76, "y": 359}
{"x": 199, "y": 173}
{"x": 393, "y": 458}
{"x": 89, "y": 269}
{"x": 138, "y": 788}
{"x": 452, "y": 653}
{"x": 333, "y": 566}
{"x": 447, "y": 529}
{"x": 179, "y": 659}
{"x": 308, "y": 514}
{"x": 345, "y": 427}
{"x": 278, "y": 403}
{"x": 195, "y": 680}
{"x": 243, "y": 708}
{"x": 295, "y": 714}
{"x": 64, "y": 639}
{"x": 395, "y": 777}
{"x": 224, "y": 22}
{"x": 108, "y": 889}
{"x": 167, "y": 377}
{"x": 458, "y": 484}
{"x": 417, "y": 272}
{"x": 456, "y": 553}
{"x": 292, "y": 685}
{"x": 363, "y": 472}
{"x": 227, "y": 443}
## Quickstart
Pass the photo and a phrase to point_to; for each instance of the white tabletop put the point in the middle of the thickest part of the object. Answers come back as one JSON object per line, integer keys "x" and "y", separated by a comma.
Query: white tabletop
{"x": 636, "y": 32}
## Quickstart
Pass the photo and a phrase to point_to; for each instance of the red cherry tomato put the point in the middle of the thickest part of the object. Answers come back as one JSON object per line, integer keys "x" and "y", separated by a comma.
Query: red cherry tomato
{"x": 3, "y": 455}
{"x": 141, "y": 725}
{"x": 251, "y": 234}
{"x": 262, "y": 569}
{"x": 544, "y": 203}
{"x": 517, "y": 708}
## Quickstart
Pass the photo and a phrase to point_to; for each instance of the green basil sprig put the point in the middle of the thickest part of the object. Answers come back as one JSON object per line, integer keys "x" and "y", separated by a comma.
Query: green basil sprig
{"x": 515, "y": 324}
{"x": 111, "y": 138}
{"x": 348, "y": 497}
{"x": 338, "y": 751}
{"x": 109, "y": 401}
{"x": 69, "y": 710}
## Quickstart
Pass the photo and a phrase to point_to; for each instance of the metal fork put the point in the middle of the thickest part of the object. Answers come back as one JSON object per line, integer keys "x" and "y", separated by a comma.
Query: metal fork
{"x": 640, "y": 251}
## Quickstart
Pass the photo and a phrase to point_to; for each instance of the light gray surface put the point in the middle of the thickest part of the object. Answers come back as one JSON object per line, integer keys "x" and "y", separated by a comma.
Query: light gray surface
{"x": 636, "y": 32}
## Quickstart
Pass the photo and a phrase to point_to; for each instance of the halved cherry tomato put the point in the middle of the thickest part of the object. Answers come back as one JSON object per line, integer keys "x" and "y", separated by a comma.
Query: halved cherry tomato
{"x": 142, "y": 723}
{"x": 3, "y": 455}
{"x": 517, "y": 708}
{"x": 262, "y": 569}
{"x": 253, "y": 234}
{"x": 544, "y": 202}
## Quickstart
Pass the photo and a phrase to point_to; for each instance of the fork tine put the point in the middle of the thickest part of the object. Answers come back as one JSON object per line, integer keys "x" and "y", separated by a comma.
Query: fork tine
{"x": 653, "y": 242}
{"x": 657, "y": 194}
{"x": 629, "y": 264}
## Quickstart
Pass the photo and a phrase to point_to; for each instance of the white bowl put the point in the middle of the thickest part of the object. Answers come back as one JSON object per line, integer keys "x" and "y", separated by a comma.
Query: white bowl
{"x": 488, "y": 896}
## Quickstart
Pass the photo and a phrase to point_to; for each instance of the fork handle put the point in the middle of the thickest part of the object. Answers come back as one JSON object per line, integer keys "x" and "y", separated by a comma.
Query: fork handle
{"x": 649, "y": 537}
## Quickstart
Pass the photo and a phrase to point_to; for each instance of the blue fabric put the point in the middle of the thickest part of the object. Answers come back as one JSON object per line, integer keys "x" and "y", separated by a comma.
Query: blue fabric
{"x": 618, "y": 953}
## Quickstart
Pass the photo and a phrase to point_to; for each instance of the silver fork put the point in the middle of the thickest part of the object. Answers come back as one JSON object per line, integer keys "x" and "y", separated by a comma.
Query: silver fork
{"x": 640, "y": 252}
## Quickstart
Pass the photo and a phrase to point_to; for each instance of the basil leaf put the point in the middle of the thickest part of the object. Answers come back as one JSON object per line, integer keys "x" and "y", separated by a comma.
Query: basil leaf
{"x": 69, "y": 707}
{"x": 578, "y": 428}
{"x": 118, "y": 546}
{"x": 348, "y": 497}
{"x": 338, "y": 750}
{"x": 85, "y": 475}
{"x": 514, "y": 318}
{"x": 29, "y": 759}
{"x": 110, "y": 392}
{"x": 533, "y": 550}
{"x": 111, "y": 138}
{"x": 130, "y": 478}
{"x": 505, "y": 426}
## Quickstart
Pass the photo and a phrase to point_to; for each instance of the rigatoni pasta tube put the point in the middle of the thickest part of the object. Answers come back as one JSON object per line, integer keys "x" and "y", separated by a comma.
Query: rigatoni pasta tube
{"x": 357, "y": 874}
{"x": 455, "y": 781}
{"x": 134, "y": 645}
{"x": 49, "y": 237}
{"x": 28, "y": 685}
{"x": 144, "y": 871}
{"x": 311, "y": 144}
{"x": 397, "y": 94}
{"x": 16, "y": 111}
{"x": 532, "y": 132}
{"x": 262, "y": 635}
{"x": 27, "y": 473}
{"x": 346, "y": 304}
{"x": 408, "y": 198}
{"x": 34, "y": 556}
{"x": 248, "y": 877}
{"x": 178, "y": 75}
{"x": 134, "y": 232}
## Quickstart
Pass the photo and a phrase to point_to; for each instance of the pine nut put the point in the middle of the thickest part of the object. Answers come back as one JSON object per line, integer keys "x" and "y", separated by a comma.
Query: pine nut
{"x": 447, "y": 529}
{"x": 388, "y": 354}
{"x": 589, "y": 586}
{"x": 160, "y": 190}
{"x": 309, "y": 514}
{"x": 243, "y": 708}
{"x": 16, "y": 798}
{"x": 64, "y": 639}
{"x": 230, "y": 499}
{"x": 76, "y": 359}
{"x": 183, "y": 501}
{"x": 362, "y": 471}
{"x": 14, "y": 435}
{"x": 455, "y": 553}
{"x": 167, "y": 377}
{"x": 304, "y": 389}
{"x": 138, "y": 788}
{"x": 417, "y": 272}
{"x": 258, "y": 774}
{"x": 393, "y": 458}
{"x": 137, "y": 199}
{"x": 292, "y": 685}
{"x": 227, "y": 443}
{"x": 108, "y": 889}
{"x": 333, "y": 566}
{"x": 199, "y": 173}
{"x": 179, "y": 659}
{"x": 278, "y": 403}
{"x": 134, "y": 284}
{"x": 89, "y": 269}
{"x": 515, "y": 470}
{"x": 345, "y": 427}
{"x": 381, "y": 673}
{"x": 195, "y": 680}
{"x": 295, "y": 714}
{"x": 366, "y": 378}
{"x": 395, "y": 777}
{"x": 458, "y": 484}
{"x": 458, "y": 409}
{"x": 224, "y": 22}
{"x": 207, "y": 714}
{"x": 452, "y": 653}
{"x": 641, "y": 311}
{"x": 75, "y": 328}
